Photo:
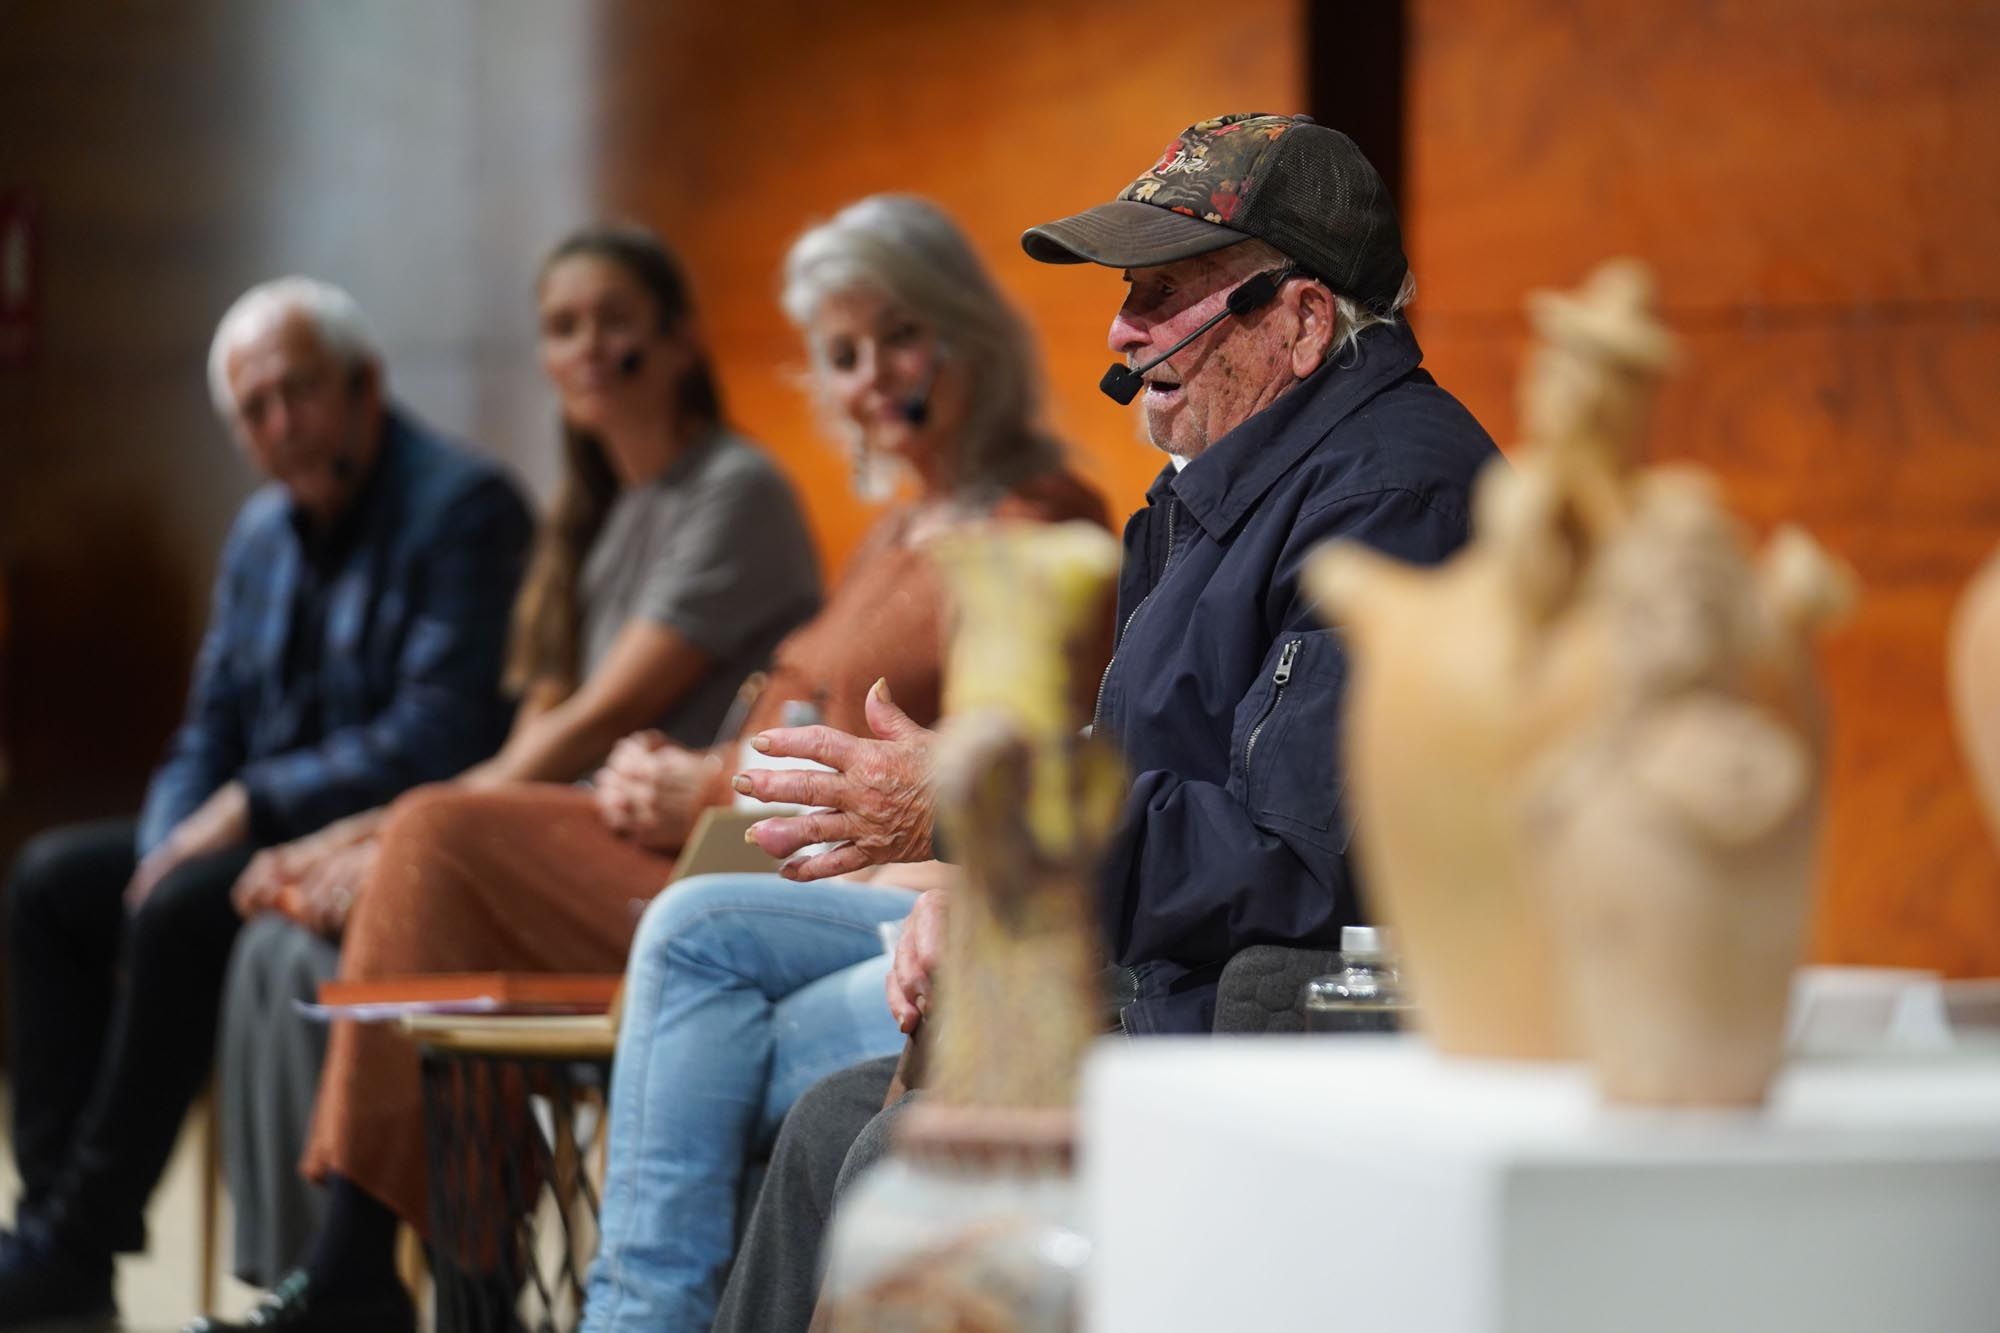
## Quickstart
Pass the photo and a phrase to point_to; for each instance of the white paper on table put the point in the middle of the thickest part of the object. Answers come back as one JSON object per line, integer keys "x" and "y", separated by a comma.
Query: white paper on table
{"x": 388, "y": 1011}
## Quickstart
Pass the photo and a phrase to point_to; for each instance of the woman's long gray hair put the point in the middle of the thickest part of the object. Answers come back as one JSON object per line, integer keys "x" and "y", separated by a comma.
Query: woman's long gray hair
{"x": 906, "y": 249}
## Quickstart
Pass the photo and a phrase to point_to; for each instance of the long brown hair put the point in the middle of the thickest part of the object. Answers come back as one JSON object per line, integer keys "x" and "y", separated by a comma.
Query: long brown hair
{"x": 548, "y": 614}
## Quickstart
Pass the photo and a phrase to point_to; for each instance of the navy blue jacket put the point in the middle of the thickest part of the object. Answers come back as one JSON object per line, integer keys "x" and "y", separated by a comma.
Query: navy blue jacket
{"x": 403, "y": 687}
{"x": 1224, "y": 691}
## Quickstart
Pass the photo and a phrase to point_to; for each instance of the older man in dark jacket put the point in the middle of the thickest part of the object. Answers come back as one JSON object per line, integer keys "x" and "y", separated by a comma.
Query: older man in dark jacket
{"x": 1266, "y": 277}
{"x": 353, "y": 651}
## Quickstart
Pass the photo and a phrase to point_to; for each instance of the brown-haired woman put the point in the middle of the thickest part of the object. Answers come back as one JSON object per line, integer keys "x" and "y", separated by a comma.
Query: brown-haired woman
{"x": 643, "y": 611}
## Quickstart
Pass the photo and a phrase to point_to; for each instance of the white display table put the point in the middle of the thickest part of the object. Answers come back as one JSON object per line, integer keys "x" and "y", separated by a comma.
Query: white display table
{"x": 1362, "y": 1183}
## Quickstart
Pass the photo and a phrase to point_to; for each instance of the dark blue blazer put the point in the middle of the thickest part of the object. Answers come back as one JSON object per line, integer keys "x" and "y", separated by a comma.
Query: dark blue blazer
{"x": 403, "y": 687}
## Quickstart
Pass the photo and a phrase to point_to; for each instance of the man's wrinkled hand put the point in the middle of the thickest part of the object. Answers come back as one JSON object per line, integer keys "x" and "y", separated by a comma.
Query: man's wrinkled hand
{"x": 162, "y": 861}
{"x": 221, "y": 822}
{"x": 918, "y": 950}
{"x": 879, "y": 798}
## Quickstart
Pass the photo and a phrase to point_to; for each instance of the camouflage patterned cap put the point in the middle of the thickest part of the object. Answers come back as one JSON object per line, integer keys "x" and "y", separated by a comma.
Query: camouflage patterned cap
{"x": 1302, "y": 187}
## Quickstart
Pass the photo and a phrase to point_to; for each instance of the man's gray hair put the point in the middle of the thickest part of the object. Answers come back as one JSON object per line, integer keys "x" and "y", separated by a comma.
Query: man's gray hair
{"x": 905, "y": 249}
{"x": 1351, "y": 318}
{"x": 343, "y": 330}
{"x": 1354, "y": 318}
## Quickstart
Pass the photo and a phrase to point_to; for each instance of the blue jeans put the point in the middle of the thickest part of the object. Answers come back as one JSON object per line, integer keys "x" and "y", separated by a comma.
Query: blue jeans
{"x": 742, "y": 992}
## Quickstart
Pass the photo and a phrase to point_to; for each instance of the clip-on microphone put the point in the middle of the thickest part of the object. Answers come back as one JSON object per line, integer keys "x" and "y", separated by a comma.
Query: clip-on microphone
{"x": 1121, "y": 383}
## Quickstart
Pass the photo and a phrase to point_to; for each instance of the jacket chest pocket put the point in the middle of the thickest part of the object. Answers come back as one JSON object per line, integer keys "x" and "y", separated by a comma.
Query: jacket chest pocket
{"x": 1287, "y": 735}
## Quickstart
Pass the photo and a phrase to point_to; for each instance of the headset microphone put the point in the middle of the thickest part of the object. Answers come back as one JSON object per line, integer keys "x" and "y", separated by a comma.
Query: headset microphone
{"x": 916, "y": 409}
{"x": 1121, "y": 383}
{"x": 342, "y": 466}
{"x": 630, "y": 364}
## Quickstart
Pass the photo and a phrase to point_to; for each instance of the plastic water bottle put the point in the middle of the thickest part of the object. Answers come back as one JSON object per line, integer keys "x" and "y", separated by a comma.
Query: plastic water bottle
{"x": 793, "y": 713}
{"x": 1365, "y": 995}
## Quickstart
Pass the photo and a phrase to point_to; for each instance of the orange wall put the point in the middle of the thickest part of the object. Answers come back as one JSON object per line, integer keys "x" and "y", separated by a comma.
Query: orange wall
{"x": 1815, "y": 182}
{"x": 425, "y": 157}
{"x": 732, "y": 127}
{"x": 1816, "y": 185}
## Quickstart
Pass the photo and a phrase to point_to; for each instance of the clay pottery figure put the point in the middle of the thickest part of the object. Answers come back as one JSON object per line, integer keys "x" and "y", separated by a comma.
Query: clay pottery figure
{"x": 1975, "y": 683}
{"x": 1447, "y": 703}
{"x": 1584, "y": 754}
{"x": 1674, "y": 832}
{"x": 970, "y": 1223}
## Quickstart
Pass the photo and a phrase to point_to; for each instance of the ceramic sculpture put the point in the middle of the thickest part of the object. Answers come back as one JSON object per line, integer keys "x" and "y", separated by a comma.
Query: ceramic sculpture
{"x": 969, "y": 1225}
{"x": 1584, "y": 754}
{"x": 1975, "y": 684}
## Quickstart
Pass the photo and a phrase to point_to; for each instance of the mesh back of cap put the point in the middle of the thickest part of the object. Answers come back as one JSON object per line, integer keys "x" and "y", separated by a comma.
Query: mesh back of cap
{"x": 1322, "y": 204}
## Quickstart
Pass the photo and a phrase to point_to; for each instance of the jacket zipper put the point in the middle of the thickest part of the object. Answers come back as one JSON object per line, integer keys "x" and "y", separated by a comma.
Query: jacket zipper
{"x": 1281, "y": 678}
{"x": 1125, "y": 1010}
{"x": 1097, "y": 710}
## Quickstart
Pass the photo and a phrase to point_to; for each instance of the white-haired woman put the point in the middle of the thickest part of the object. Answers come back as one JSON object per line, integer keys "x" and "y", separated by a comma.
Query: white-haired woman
{"x": 743, "y": 990}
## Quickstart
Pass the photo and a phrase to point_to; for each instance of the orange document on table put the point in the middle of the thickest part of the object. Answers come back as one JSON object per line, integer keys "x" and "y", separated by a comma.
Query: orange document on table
{"x": 489, "y": 992}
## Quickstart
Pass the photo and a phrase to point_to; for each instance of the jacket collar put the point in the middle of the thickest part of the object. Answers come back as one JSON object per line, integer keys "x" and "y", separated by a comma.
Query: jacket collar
{"x": 1233, "y": 474}
{"x": 362, "y": 514}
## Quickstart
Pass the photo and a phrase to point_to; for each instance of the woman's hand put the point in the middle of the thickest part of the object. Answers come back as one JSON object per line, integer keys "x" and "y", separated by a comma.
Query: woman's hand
{"x": 617, "y": 785}
{"x": 879, "y": 799}
{"x": 328, "y": 891}
{"x": 262, "y": 885}
{"x": 650, "y": 790}
{"x": 263, "y": 882}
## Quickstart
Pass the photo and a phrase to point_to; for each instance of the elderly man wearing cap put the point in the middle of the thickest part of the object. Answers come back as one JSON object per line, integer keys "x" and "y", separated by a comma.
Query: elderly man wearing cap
{"x": 1266, "y": 275}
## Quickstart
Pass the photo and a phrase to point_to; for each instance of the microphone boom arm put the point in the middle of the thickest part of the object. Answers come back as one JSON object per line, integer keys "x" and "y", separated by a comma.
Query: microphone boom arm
{"x": 1121, "y": 382}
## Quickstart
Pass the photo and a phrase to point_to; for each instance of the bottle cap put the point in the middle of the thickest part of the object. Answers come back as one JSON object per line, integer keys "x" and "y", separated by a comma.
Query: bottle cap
{"x": 1361, "y": 941}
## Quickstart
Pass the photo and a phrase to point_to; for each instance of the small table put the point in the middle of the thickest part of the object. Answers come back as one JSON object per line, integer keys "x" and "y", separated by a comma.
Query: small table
{"x": 493, "y": 1160}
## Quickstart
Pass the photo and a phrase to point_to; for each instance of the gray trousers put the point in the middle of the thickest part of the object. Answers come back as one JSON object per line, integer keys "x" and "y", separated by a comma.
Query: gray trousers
{"x": 267, "y": 1076}
{"x": 835, "y": 1130}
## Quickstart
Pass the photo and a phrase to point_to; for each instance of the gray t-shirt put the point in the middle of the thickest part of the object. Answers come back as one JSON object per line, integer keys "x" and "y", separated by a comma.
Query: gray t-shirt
{"x": 715, "y": 548}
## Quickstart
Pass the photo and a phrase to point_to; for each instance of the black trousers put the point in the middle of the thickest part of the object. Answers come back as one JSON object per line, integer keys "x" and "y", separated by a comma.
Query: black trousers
{"x": 835, "y": 1130}
{"x": 113, "y": 1017}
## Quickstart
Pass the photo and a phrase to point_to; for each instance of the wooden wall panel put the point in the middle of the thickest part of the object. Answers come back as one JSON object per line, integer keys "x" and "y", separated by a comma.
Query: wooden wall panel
{"x": 1813, "y": 183}
{"x": 1811, "y": 152}
{"x": 425, "y": 157}
{"x": 732, "y": 127}
{"x": 421, "y": 156}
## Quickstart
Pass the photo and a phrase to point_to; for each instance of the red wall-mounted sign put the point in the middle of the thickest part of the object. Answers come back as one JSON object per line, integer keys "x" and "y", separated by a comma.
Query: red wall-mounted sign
{"x": 19, "y": 293}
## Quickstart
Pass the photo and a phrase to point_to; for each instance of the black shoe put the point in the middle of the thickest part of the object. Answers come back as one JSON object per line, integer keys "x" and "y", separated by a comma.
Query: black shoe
{"x": 46, "y": 1283}
{"x": 297, "y": 1305}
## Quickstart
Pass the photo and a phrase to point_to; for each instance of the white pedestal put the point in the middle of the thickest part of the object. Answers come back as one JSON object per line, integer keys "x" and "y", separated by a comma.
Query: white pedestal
{"x": 1364, "y": 1183}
